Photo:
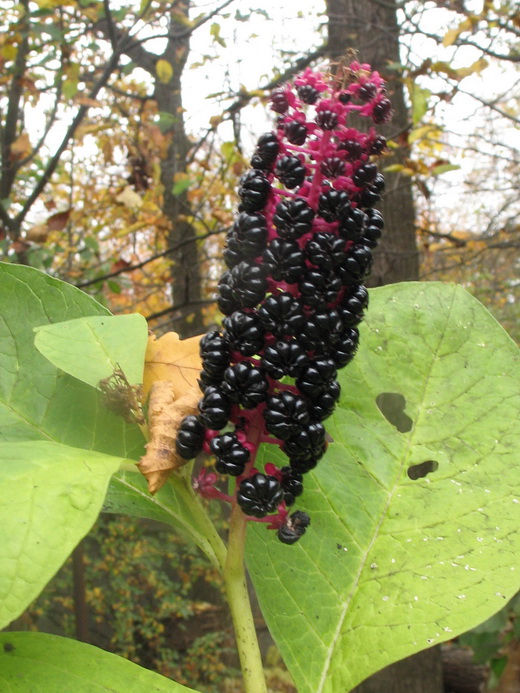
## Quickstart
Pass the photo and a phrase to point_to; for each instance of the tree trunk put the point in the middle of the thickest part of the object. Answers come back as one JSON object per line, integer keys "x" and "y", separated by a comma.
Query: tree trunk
{"x": 185, "y": 271}
{"x": 371, "y": 29}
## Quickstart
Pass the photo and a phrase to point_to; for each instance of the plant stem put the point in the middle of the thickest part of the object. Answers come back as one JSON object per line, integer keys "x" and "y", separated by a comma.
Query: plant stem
{"x": 240, "y": 606}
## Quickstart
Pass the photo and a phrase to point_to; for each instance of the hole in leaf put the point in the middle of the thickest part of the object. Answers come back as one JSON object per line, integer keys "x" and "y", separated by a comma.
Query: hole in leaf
{"x": 419, "y": 471}
{"x": 392, "y": 406}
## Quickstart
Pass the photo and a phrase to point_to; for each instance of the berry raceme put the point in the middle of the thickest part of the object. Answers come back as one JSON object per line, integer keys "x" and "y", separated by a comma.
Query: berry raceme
{"x": 293, "y": 294}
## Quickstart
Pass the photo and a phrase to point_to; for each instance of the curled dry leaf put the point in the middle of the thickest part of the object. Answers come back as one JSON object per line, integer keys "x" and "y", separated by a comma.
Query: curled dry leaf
{"x": 165, "y": 413}
{"x": 172, "y": 368}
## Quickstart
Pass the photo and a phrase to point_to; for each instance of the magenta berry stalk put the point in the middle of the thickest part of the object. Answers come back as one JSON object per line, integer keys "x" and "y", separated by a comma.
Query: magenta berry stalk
{"x": 293, "y": 295}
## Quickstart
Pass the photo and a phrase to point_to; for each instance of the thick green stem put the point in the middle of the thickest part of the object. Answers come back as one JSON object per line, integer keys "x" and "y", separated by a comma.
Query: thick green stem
{"x": 240, "y": 606}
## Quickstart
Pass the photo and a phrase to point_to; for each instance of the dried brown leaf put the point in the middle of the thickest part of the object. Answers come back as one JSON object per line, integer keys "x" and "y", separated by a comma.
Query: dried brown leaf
{"x": 165, "y": 413}
{"x": 170, "y": 358}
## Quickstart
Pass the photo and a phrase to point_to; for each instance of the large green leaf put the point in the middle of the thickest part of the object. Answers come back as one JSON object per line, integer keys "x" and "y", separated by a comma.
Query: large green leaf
{"x": 50, "y": 496}
{"x": 93, "y": 347}
{"x": 415, "y": 507}
{"x": 176, "y": 504}
{"x": 37, "y": 401}
{"x": 40, "y": 662}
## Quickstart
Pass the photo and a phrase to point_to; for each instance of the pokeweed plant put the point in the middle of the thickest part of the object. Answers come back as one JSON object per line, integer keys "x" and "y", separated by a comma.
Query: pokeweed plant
{"x": 407, "y": 532}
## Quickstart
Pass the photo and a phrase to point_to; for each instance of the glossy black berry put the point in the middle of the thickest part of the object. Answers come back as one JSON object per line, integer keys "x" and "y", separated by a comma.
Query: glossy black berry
{"x": 254, "y": 190}
{"x": 364, "y": 174}
{"x": 293, "y": 218}
{"x": 323, "y": 406}
{"x": 352, "y": 305}
{"x": 214, "y": 408}
{"x": 285, "y": 260}
{"x": 284, "y": 358}
{"x": 352, "y": 225}
{"x": 308, "y": 94}
{"x": 267, "y": 149}
{"x": 306, "y": 448}
{"x": 285, "y": 414}
{"x": 231, "y": 455}
{"x": 372, "y": 193}
{"x": 377, "y": 145}
{"x": 356, "y": 266}
{"x": 333, "y": 205}
{"x": 353, "y": 149}
{"x": 382, "y": 111}
{"x": 325, "y": 250}
{"x": 226, "y": 300}
{"x": 318, "y": 288}
{"x": 345, "y": 97}
{"x": 373, "y": 229}
{"x": 295, "y": 132}
{"x": 190, "y": 437}
{"x": 259, "y": 495}
{"x": 322, "y": 330}
{"x": 279, "y": 101}
{"x": 332, "y": 167}
{"x": 327, "y": 120}
{"x": 315, "y": 379}
{"x": 367, "y": 91}
{"x": 292, "y": 484}
{"x": 294, "y": 527}
{"x": 250, "y": 231}
{"x": 344, "y": 351}
{"x": 232, "y": 252}
{"x": 290, "y": 171}
{"x": 245, "y": 384}
{"x": 214, "y": 350}
{"x": 282, "y": 314}
{"x": 248, "y": 284}
{"x": 244, "y": 332}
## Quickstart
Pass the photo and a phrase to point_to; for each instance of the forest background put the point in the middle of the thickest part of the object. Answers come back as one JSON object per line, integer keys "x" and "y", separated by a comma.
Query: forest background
{"x": 124, "y": 129}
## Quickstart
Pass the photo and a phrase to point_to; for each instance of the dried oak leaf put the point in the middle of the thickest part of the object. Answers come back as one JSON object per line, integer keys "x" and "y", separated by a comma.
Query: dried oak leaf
{"x": 170, "y": 358}
{"x": 165, "y": 413}
{"x": 172, "y": 368}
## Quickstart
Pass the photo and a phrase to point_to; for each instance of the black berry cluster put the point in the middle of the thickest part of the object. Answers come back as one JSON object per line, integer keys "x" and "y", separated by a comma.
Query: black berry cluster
{"x": 293, "y": 294}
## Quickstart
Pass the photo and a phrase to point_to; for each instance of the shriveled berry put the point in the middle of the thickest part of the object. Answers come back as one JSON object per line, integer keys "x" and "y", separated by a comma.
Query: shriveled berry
{"x": 245, "y": 384}
{"x": 294, "y": 527}
{"x": 244, "y": 332}
{"x": 259, "y": 495}
{"x": 284, "y": 358}
{"x": 285, "y": 414}
{"x": 282, "y": 314}
{"x": 333, "y": 205}
{"x": 190, "y": 437}
{"x": 267, "y": 149}
{"x": 290, "y": 171}
{"x": 315, "y": 379}
{"x": 285, "y": 260}
{"x": 293, "y": 218}
{"x": 308, "y": 94}
{"x": 326, "y": 119}
{"x": 254, "y": 190}
{"x": 214, "y": 408}
{"x": 292, "y": 484}
{"x": 295, "y": 132}
{"x": 231, "y": 455}
{"x": 325, "y": 250}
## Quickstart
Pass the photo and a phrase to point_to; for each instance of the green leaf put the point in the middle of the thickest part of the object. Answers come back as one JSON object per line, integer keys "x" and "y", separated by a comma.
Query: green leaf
{"x": 414, "y": 509}
{"x": 50, "y": 496}
{"x": 38, "y": 402}
{"x": 181, "y": 186}
{"x": 444, "y": 168}
{"x": 420, "y": 99}
{"x": 93, "y": 347}
{"x": 42, "y": 662}
{"x": 176, "y": 504}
